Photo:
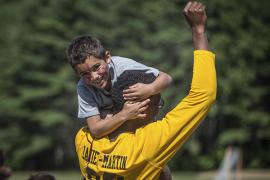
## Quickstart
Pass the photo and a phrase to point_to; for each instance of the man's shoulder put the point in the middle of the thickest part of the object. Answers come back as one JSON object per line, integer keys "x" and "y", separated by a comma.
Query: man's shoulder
{"x": 81, "y": 134}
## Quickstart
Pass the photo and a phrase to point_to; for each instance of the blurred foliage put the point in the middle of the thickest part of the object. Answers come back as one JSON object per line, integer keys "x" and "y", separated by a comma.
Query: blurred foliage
{"x": 38, "y": 88}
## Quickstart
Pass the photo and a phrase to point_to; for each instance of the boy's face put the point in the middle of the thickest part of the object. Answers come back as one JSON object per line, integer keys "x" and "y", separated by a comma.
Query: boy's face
{"x": 95, "y": 72}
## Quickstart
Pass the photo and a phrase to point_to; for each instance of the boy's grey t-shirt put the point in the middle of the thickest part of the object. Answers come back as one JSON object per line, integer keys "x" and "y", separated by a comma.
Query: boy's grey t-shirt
{"x": 91, "y": 99}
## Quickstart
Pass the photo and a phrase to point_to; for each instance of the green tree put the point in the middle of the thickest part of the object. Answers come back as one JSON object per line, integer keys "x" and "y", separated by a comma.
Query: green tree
{"x": 37, "y": 93}
{"x": 38, "y": 88}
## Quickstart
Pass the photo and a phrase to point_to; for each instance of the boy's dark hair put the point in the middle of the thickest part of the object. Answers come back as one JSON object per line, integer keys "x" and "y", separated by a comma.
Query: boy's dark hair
{"x": 41, "y": 176}
{"x": 126, "y": 79}
{"x": 83, "y": 47}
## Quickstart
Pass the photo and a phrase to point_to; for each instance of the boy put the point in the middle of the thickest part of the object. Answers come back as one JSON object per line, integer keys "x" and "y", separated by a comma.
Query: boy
{"x": 98, "y": 72}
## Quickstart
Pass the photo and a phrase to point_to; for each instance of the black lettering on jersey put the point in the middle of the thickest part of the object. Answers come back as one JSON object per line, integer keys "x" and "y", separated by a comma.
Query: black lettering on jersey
{"x": 105, "y": 161}
{"x": 85, "y": 154}
{"x": 114, "y": 161}
{"x": 114, "y": 165}
{"x": 93, "y": 158}
{"x": 105, "y": 176}
{"x": 90, "y": 155}
{"x": 123, "y": 162}
{"x": 108, "y": 161}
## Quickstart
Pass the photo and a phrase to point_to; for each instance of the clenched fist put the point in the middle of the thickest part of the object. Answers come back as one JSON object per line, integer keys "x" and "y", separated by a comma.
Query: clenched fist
{"x": 195, "y": 15}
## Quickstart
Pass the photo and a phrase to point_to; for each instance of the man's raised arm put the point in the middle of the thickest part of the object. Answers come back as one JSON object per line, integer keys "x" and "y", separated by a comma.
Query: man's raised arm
{"x": 167, "y": 136}
{"x": 196, "y": 17}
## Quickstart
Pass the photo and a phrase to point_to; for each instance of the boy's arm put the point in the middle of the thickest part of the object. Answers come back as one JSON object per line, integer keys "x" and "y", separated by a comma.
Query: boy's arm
{"x": 141, "y": 91}
{"x": 102, "y": 126}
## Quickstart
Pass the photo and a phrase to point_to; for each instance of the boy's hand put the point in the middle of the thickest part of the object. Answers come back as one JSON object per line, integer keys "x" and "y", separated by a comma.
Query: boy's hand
{"x": 138, "y": 92}
{"x": 135, "y": 110}
{"x": 195, "y": 15}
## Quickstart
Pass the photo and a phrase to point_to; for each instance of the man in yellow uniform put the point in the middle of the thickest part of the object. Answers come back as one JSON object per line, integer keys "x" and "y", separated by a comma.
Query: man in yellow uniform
{"x": 142, "y": 154}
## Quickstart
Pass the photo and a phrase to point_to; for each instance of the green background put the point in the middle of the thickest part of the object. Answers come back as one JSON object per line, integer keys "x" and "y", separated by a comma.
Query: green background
{"x": 38, "y": 102}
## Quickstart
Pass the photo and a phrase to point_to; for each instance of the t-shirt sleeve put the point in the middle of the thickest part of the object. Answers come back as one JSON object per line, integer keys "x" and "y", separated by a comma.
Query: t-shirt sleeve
{"x": 163, "y": 138}
{"x": 123, "y": 64}
{"x": 87, "y": 106}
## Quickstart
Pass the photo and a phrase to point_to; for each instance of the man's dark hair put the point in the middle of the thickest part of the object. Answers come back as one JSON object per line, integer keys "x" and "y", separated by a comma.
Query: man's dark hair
{"x": 126, "y": 79}
{"x": 83, "y": 47}
{"x": 41, "y": 176}
{"x": 5, "y": 172}
{"x": 1, "y": 158}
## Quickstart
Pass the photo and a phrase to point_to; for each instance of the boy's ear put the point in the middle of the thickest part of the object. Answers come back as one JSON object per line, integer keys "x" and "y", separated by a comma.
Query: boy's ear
{"x": 107, "y": 57}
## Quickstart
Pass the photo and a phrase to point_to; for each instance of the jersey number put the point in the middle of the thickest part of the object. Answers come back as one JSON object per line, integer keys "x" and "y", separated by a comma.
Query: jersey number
{"x": 106, "y": 176}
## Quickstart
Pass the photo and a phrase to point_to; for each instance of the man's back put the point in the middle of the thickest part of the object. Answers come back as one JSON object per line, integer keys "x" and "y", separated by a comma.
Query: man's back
{"x": 143, "y": 154}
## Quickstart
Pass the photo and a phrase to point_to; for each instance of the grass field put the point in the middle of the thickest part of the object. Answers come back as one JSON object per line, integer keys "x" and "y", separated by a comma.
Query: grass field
{"x": 75, "y": 175}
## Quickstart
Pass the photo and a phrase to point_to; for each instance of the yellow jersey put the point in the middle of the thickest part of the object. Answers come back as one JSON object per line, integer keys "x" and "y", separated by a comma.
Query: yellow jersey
{"x": 143, "y": 154}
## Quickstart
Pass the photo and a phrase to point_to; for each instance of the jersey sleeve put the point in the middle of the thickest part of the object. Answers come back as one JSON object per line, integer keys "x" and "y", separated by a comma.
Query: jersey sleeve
{"x": 162, "y": 139}
{"x": 87, "y": 106}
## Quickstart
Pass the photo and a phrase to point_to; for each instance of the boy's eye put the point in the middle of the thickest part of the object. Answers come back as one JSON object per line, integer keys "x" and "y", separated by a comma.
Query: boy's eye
{"x": 95, "y": 67}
